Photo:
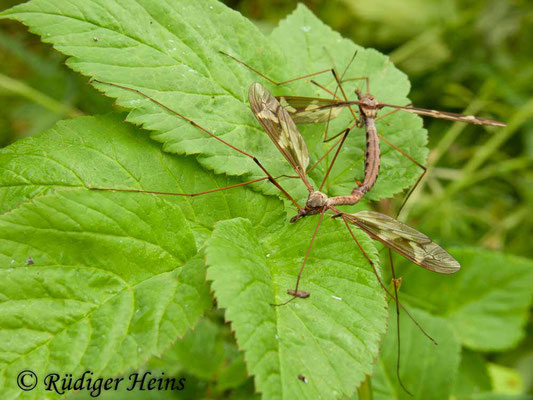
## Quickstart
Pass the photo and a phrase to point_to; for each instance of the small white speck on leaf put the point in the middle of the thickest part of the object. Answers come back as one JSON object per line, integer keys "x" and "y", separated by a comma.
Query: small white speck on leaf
{"x": 337, "y": 298}
{"x": 305, "y": 28}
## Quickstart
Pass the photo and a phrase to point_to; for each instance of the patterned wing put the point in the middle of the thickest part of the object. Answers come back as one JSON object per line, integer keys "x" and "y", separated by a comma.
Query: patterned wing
{"x": 407, "y": 241}
{"x": 471, "y": 119}
{"x": 279, "y": 126}
{"x": 311, "y": 110}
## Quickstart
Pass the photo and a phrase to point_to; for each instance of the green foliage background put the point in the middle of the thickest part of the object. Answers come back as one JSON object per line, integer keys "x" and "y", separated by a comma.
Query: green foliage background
{"x": 460, "y": 56}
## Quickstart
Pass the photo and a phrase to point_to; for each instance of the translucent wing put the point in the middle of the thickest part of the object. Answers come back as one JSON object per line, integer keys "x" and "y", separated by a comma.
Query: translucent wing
{"x": 471, "y": 119}
{"x": 279, "y": 126}
{"x": 407, "y": 241}
{"x": 311, "y": 110}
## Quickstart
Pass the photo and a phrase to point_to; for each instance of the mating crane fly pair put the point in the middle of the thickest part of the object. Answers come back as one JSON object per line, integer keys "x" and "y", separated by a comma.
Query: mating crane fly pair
{"x": 278, "y": 117}
{"x": 282, "y": 130}
{"x": 405, "y": 240}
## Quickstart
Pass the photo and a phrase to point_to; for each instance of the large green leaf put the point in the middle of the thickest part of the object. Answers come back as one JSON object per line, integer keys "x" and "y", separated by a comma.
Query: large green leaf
{"x": 487, "y": 302}
{"x": 473, "y": 377}
{"x": 331, "y": 338}
{"x": 111, "y": 283}
{"x": 44, "y": 183}
{"x": 103, "y": 152}
{"x": 170, "y": 50}
{"x": 121, "y": 264}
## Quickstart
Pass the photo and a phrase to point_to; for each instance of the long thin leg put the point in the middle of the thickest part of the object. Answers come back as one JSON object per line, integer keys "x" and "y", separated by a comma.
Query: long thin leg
{"x": 190, "y": 121}
{"x": 179, "y": 194}
{"x": 334, "y": 159}
{"x": 325, "y": 89}
{"x": 356, "y": 123}
{"x": 424, "y": 171}
{"x": 334, "y": 94}
{"x": 339, "y": 86}
{"x": 327, "y": 152}
{"x": 272, "y": 80}
{"x": 398, "y": 349}
{"x": 358, "y": 79}
{"x": 300, "y": 293}
{"x": 296, "y": 292}
{"x": 330, "y": 70}
{"x": 381, "y": 282}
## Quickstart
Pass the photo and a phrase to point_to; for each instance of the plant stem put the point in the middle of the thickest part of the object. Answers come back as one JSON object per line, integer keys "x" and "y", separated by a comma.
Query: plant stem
{"x": 23, "y": 90}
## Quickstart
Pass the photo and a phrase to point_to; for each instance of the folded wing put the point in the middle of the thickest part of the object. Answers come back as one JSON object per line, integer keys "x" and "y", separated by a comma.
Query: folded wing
{"x": 311, "y": 110}
{"x": 280, "y": 127}
{"x": 407, "y": 241}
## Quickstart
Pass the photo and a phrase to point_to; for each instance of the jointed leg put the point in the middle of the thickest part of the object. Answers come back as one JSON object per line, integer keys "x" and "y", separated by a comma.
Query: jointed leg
{"x": 343, "y": 139}
{"x": 300, "y": 293}
{"x": 358, "y": 79}
{"x": 179, "y": 194}
{"x": 330, "y": 70}
{"x": 424, "y": 170}
{"x": 269, "y": 177}
{"x": 398, "y": 349}
{"x": 381, "y": 282}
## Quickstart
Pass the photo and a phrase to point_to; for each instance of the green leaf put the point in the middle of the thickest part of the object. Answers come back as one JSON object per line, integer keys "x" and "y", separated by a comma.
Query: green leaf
{"x": 208, "y": 352}
{"x": 331, "y": 338}
{"x": 487, "y": 301}
{"x": 103, "y": 293}
{"x": 201, "y": 351}
{"x": 427, "y": 371}
{"x": 473, "y": 377}
{"x": 170, "y": 51}
{"x": 506, "y": 380}
{"x": 103, "y": 152}
{"x": 115, "y": 276}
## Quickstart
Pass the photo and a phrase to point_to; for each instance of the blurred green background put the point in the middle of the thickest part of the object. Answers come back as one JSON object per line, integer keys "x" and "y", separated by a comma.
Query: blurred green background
{"x": 471, "y": 56}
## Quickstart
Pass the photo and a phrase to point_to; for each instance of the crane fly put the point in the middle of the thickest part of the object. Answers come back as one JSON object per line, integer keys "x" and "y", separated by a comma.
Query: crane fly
{"x": 407, "y": 241}
{"x": 397, "y": 236}
{"x": 308, "y": 110}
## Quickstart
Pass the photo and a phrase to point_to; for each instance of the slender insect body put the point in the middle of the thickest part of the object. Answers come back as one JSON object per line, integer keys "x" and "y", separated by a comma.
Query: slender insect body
{"x": 372, "y": 155}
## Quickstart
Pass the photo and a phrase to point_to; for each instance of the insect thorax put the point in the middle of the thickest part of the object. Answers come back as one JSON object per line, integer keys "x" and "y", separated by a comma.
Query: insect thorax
{"x": 368, "y": 105}
{"x": 316, "y": 200}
